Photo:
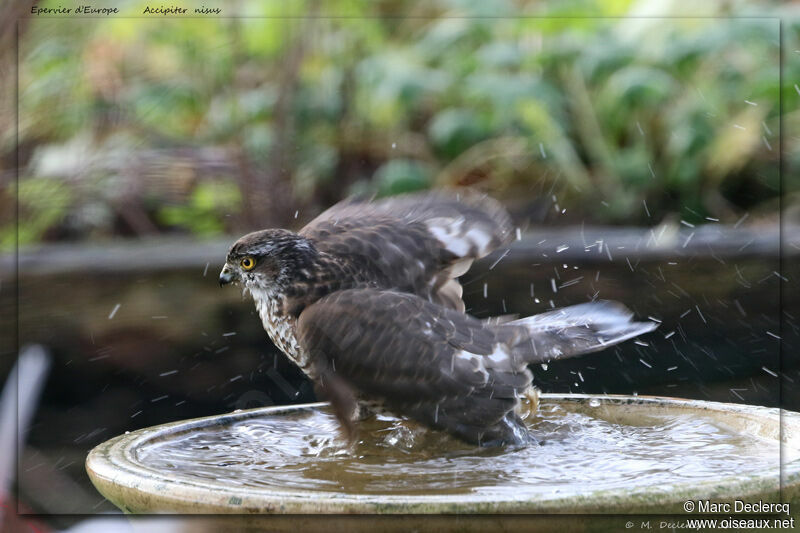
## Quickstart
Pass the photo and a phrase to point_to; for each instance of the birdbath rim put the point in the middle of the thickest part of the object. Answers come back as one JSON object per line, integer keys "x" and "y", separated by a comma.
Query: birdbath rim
{"x": 135, "y": 487}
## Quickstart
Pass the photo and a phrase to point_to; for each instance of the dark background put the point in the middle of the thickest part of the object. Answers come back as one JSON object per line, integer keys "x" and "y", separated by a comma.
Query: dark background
{"x": 179, "y": 346}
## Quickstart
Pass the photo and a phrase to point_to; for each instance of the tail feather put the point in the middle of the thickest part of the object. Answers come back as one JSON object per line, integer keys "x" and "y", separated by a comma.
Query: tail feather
{"x": 577, "y": 330}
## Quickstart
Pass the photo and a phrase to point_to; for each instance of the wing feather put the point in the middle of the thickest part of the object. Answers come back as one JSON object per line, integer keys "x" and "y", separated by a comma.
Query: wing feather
{"x": 439, "y": 366}
{"x": 445, "y": 368}
{"x": 415, "y": 243}
{"x": 579, "y": 329}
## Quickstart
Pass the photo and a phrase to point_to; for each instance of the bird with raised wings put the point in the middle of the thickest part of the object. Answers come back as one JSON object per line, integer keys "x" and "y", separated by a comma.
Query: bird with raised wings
{"x": 365, "y": 299}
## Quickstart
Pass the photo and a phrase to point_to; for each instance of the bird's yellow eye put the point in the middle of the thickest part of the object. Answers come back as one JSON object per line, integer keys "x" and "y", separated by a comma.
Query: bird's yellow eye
{"x": 248, "y": 263}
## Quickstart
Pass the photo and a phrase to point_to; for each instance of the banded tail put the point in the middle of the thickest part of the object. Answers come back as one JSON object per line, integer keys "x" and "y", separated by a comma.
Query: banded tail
{"x": 576, "y": 330}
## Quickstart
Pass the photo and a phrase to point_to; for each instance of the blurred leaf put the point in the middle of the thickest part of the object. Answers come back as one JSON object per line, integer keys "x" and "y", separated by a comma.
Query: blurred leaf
{"x": 734, "y": 144}
{"x": 172, "y": 109}
{"x": 43, "y": 203}
{"x": 500, "y": 54}
{"x": 454, "y": 130}
{"x": 637, "y": 86}
{"x": 208, "y": 205}
{"x": 402, "y": 175}
{"x": 316, "y": 165}
{"x": 392, "y": 82}
{"x": 601, "y": 107}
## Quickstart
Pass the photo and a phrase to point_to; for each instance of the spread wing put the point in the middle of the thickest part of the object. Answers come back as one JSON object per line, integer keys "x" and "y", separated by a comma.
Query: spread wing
{"x": 415, "y": 243}
{"x": 442, "y": 367}
{"x": 436, "y": 365}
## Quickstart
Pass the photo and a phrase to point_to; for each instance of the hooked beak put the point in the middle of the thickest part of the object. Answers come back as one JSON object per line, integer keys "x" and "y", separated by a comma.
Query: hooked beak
{"x": 227, "y": 276}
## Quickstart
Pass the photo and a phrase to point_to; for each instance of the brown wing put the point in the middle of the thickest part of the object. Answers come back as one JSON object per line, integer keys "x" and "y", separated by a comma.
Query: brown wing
{"x": 442, "y": 367}
{"x": 436, "y": 365}
{"x": 414, "y": 243}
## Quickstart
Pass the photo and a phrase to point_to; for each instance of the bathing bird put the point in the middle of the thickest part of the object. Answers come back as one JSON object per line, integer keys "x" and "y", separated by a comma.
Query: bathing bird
{"x": 365, "y": 299}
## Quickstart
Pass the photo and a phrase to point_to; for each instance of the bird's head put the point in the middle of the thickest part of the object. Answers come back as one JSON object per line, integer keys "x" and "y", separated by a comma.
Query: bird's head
{"x": 268, "y": 261}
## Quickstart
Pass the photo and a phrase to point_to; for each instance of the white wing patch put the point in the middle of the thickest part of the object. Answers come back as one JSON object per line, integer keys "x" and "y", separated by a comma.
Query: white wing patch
{"x": 468, "y": 238}
{"x": 473, "y": 362}
{"x": 459, "y": 238}
{"x": 501, "y": 360}
{"x": 499, "y": 357}
{"x": 448, "y": 232}
{"x": 480, "y": 239}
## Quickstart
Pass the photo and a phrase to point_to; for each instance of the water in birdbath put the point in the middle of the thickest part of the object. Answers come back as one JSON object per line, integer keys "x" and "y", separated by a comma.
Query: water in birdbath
{"x": 579, "y": 452}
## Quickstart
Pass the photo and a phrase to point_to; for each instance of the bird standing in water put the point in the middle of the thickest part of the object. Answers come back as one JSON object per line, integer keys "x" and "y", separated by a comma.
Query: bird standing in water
{"x": 365, "y": 300}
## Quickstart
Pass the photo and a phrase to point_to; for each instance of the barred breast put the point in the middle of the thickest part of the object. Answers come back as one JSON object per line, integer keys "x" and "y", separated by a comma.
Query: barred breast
{"x": 281, "y": 330}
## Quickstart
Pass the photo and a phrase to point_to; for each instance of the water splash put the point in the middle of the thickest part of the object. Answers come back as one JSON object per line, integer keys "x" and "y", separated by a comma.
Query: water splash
{"x": 578, "y": 453}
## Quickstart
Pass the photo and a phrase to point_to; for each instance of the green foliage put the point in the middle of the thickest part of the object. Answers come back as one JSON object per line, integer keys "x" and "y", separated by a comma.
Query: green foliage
{"x": 453, "y": 129}
{"x": 42, "y": 203}
{"x": 605, "y": 113}
{"x": 402, "y": 175}
{"x": 203, "y": 213}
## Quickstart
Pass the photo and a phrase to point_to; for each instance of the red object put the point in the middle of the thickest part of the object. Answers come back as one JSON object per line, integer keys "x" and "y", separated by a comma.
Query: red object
{"x": 12, "y": 522}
